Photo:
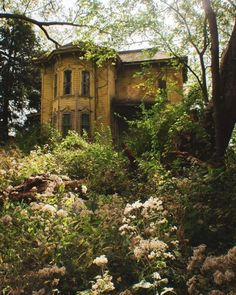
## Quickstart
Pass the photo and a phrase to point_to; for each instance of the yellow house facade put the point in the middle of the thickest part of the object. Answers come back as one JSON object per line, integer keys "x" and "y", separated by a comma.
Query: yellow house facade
{"x": 77, "y": 94}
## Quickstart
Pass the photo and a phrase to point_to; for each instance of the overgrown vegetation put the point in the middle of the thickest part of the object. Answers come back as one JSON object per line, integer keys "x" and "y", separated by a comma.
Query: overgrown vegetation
{"x": 98, "y": 228}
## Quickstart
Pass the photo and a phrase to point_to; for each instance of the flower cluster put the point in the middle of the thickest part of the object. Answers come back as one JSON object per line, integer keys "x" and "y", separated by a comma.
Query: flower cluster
{"x": 100, "y": 261}
{"x": 151, "y": 238}
{"x": 6, "y": 220}
{"x": 217, "y": 272}
{"x": 46, "y": 272}
{"x": 144, "y": 224}
{"x": 151, "y": 248}
{"x": 103, "y": 284}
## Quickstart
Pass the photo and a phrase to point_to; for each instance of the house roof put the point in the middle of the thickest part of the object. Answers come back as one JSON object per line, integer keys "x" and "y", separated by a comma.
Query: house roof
{"x": 128, "y": 56}
{"x": 141, "y": 55}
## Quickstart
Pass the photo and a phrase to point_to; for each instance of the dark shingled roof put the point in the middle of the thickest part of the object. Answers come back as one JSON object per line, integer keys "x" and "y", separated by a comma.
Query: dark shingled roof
{"x": 140, "y": 55}
{"x": 129, "y": 56}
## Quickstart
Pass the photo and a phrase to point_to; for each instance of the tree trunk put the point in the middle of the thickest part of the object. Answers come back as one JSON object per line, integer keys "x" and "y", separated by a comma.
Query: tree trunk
{"x": 223, "y": 85}
{"x": 228, "y": 86}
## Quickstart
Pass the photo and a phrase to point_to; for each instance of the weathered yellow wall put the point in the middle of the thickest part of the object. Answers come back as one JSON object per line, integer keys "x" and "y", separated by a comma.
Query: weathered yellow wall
{"x": 98, "y": 104}
{"x": 132, "y": 86}
{"x": 107, "y": 84}
{"x": 46, "y": 94}
{"x": 105, "y": 88}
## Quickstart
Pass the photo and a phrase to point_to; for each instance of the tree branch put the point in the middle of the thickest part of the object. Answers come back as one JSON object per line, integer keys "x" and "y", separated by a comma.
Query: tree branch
{"x": 232, "y": 3}
{"x": 43, "y": 24}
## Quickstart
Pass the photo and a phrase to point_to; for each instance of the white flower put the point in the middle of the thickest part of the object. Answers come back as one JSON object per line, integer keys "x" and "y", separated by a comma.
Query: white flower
{"x": 49, "y": 208}
{"x": 126, "y": 227}
{"x": 3, "y": 172}
{"x": 6, "y": 219}
{"x": 130, "y": 207}
{"x": 143, "y": 284}
{"x": 156, "y": 276}
{"x": 84, "y": 189}
{"x": 35, "y": 206}
{"x": 167, "y": 290}
{"x": 62, "y": 213}
{"x": 100, "y": 261}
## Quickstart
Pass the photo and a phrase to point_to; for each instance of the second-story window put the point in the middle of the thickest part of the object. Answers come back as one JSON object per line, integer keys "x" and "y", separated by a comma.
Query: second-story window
{"x": 85, "y": 87}
{"x": 55, "y": 86}
{"x": 67, "y": 82}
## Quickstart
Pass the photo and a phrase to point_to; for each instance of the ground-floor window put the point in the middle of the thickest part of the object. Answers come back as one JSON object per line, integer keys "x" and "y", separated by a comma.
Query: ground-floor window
{"x": 85, "y": 123}
{"x": 66, "y": 123}
{"x": 54, "y": 120}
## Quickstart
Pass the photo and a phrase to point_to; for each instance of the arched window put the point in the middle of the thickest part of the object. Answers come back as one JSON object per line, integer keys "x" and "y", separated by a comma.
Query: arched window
{"x": 85, "y": 86}
{"x": 85, "y": 123}
{"x": 66, "y": 123}
{"x": 67, "y": 82}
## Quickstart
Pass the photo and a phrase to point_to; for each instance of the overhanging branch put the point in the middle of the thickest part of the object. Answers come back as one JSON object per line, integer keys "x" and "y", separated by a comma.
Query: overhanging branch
{"x": 43, "y": 24}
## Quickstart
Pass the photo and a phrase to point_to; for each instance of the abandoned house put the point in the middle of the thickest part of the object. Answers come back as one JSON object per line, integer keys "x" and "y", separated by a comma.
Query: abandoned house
{"x": 77, "y": 94}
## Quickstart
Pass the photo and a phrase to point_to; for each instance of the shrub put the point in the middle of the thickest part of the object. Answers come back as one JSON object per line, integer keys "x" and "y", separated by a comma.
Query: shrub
{"x": 213, "y": 275}
{"x": 98, "y": 162}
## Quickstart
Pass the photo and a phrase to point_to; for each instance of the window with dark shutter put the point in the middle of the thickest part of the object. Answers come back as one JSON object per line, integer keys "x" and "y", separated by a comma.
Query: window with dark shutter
{"x": 85, "y": 123}
{"x": 66, "y": 124}
{"x": 85, "y": 87}
{"x": 67, "y": 82}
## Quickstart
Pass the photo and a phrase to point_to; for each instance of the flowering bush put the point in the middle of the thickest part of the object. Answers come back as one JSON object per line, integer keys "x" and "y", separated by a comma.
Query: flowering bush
{"x": 152, "y": 241}
{"x": 213, "y": 275}
{"x": 45, "y": 245}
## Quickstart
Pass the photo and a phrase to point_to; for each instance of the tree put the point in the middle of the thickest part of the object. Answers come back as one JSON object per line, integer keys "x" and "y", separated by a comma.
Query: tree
{"x": 188, "y": 30}
{"x": 223, "y": 82}
{"x": 19, "y": 77}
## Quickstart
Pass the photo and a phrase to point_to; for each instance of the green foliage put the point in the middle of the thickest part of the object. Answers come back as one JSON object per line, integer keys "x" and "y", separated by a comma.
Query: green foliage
{"x": 209, "y": 219}
{"x": 19, "y": 83}
{"x": 44, "y": 136}
{"x": 166, "y": 128}
{"x": 104, "y": 168}
{"x": 46, "y": 242}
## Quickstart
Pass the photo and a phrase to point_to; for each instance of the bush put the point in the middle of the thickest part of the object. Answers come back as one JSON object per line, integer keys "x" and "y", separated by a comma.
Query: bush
{"x": 98, "y": 162}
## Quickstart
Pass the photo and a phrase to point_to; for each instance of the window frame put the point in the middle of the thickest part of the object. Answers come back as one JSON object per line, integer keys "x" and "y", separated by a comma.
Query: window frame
{"x": 54, "y": 119}
{"x": 85, "y": 127}
{"x": 67, "y": 83}
{"x": 85, "y": 83}
{"x": 66, "y": 127}
{"x": 55, "y": 86}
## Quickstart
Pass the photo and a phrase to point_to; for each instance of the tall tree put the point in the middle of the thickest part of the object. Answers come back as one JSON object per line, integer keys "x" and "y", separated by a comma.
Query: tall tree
{"x": 19, "y": 78}
{"x": 223, "y": 82}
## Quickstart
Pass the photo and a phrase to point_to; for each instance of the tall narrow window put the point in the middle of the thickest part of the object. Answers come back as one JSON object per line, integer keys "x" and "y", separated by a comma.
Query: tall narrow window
{"x": 85, "y": 83}
{"x": 162, "y": 84}
{"x": 54, "y": 120}
{"x": 66, "y": 124}
{"x": 55, "y": 86}
{"x": 85, "y": 123}
{"x": 67, "y": 82}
